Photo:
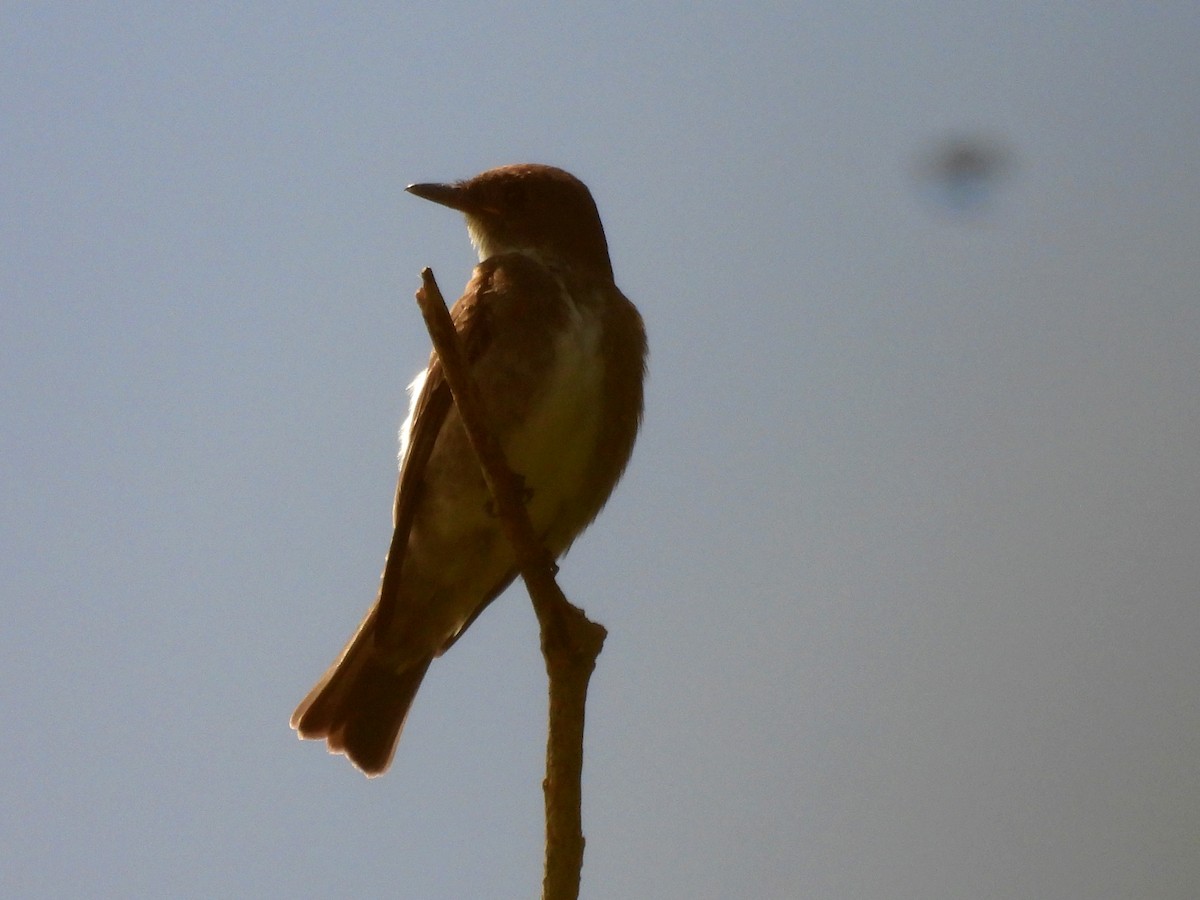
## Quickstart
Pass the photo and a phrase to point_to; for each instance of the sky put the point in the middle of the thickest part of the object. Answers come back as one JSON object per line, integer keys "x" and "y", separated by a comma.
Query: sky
{"x": 902, "y": 584}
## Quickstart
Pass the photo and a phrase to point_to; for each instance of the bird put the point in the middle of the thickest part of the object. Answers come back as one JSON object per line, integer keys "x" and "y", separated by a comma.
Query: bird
{"x": 559, "y": 355}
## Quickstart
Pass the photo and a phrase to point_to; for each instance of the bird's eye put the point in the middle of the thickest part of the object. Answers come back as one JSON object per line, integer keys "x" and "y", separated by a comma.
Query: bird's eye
{"x": 513, "y": 195}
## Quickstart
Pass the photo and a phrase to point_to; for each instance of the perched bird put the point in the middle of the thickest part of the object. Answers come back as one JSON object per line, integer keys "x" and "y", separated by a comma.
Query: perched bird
{"x": 559, "y": 354}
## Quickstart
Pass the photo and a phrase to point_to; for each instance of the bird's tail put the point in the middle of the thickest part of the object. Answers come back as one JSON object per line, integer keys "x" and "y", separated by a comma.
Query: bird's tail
{"x": 360, "y": 704}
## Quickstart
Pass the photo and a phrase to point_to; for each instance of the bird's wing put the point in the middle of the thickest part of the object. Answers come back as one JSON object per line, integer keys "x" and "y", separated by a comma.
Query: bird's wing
{"x": 472, "y": 322}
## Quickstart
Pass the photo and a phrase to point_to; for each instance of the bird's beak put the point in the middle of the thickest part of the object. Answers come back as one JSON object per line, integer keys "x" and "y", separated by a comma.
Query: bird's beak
{"x": 451, "y": 195}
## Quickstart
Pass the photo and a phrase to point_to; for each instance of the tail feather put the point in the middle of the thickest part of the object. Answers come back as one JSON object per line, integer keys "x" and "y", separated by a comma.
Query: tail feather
{"x": 359, "y": 705}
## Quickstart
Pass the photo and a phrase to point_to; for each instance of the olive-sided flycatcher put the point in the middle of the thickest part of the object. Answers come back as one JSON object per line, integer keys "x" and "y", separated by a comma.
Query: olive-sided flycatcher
{"x": 559, "y": 354}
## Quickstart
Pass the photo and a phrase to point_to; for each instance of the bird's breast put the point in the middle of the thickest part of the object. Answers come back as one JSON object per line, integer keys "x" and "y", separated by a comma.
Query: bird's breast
{"x": 553, "y": 445}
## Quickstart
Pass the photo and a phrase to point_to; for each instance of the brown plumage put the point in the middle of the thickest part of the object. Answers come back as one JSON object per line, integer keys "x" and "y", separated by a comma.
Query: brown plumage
{"x": 559, "y": 355}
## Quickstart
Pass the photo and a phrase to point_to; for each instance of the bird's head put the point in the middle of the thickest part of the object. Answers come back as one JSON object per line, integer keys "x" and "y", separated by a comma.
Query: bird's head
{"x": 528, "y": 208}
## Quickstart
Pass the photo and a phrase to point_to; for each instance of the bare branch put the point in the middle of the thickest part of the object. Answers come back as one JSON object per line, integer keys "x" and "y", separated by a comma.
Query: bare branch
{"x": 570, "y": 641}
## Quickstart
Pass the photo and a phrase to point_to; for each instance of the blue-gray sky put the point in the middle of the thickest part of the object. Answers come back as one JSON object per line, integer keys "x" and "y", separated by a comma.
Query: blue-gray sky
{"x": 903, "y": 584}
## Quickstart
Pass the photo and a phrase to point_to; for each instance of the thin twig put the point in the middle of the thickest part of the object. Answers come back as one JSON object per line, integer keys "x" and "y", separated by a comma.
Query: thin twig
{"x": 570, "y": 641}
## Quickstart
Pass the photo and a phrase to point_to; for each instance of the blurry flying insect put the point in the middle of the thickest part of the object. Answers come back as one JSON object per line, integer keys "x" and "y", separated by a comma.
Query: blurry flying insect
{"x": 961, "y": 174}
